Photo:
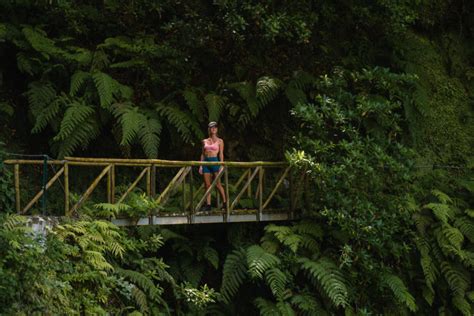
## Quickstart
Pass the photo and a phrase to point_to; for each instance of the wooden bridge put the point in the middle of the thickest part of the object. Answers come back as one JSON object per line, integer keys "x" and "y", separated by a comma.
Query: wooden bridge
{"x": 272, "y": 191}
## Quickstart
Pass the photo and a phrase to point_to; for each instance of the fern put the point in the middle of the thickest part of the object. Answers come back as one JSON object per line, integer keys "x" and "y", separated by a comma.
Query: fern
{"x": 106, "y": 86}
{"x": 12, "y": 221}
{"x": 458, "y": 279}
{"x": 76, "y": 114}
{"x": 326, "y": 274}
{"x": 285, "y": 235}
{"x": 267, "y": 89}
{"x": 399, "y": 290}
{"x": 184, "y": 123}
{"x": 41, "y": 43}
{"x": 77, "y": 81}
{"x": 276, "y": 280}
{"x": 211, "y": 255}
{"x": 266, "y": 307}
{"x": 453, "y": 235}
{"x": 307, "y": 303}
{"x": 140, "y": 299}
{"x": 462, "y": 305}
{"x": 39, "y": 95}
{"x": 259, "y": 261}
{"x": 194, "y": 103}
{"x": 47, "y": 115}
{"x": 234, "y": 273}
{"x": 149, "y": 134}
{"x": 145, "y": 283}
{"x": 215, "y": 105}
{"x": 441, "y": 211}
{"x": 25, "y": 63}
{"x": 97, "y": 260}
{"x": 466, "y": 226}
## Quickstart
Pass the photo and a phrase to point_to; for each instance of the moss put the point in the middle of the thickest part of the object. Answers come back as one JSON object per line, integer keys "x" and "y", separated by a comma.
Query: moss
{"x": 441, "y": 116}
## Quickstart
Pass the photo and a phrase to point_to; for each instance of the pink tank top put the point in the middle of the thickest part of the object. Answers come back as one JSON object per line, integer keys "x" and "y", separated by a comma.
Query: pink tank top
{"x": 212, "y": 147}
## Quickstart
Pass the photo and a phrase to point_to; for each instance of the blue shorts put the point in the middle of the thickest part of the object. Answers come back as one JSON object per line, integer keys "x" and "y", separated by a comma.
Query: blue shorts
{"x": 210, "y": 169}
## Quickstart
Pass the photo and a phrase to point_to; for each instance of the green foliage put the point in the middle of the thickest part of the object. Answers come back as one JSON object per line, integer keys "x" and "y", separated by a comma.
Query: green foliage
{"x": 399, "y": 290}
{"x": 234, "y": 273}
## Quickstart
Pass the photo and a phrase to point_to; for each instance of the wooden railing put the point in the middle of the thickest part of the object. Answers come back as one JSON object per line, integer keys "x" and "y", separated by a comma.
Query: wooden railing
{"x": 286, "y": 180}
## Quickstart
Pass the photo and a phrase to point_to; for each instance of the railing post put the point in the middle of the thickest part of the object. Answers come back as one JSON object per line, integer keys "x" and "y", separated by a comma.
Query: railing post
{"x": 249, "y": 189}
{"x": 148, "y": 181}
{"x": 112, "y": 183}
{"x": 66, "y": 189}
{"x": 291, "y": 194}
{"x": 226, "y": 183}
{"x": 191, "y": 185}
{"x": 260, "y": 196}
{"x": 153, "y": 181}
{"x": 17, "y": 188}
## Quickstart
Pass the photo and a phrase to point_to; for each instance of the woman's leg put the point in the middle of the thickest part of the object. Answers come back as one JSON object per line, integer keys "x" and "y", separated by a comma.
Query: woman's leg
{"x": 207, "y": 184}
{"x": 220, "y": 188}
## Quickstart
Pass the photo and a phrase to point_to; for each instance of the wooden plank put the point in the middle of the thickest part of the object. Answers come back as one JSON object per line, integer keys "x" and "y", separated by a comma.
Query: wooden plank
{"x": 244, "y": 189}
{"x": 112, "y": 183}
{"x": 148, "y": 181}
{"x": 90, "y": 188}
{"x": 17, "y": 187}
{"x": 153, "y": 181}
{"x": 133, "y": 185}
{"x": 275, "y": 189}
{"x": 40, "y": 193}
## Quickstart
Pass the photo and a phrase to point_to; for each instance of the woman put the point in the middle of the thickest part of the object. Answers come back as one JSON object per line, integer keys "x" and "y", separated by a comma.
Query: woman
{"x": 212, "y": 150}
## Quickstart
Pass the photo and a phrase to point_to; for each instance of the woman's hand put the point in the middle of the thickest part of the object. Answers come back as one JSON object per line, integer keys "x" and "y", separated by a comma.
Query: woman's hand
{"x": 200, "y": 169}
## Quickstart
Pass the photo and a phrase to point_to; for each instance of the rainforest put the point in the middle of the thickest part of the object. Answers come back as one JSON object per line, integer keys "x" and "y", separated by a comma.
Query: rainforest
{"x": 371, "y": 101}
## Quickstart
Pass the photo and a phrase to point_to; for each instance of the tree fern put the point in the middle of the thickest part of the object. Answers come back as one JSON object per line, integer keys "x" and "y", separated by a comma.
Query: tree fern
{"x": 453, "y": 235}
{"x": 78, "y": 79}
{"x": 266, "y": 308}
{"x": 106, "y": 86}
{"x": 276, "y": 281}
{"x": 259, "y": 261}
{"x": 234, "y": 273}
{"x": 40, "y": 94}
{"x": 184, "y": 123}
{"x": 399, "y": 290}
{"x": 267, "y": 89}
{"x": 47, "y": 115}
{"x": 194, "y": 103}
{"x": 215, "y": 105}
{"x": 25, "y": 63}
{"x": 457, "y": 278}
{"x": 441, "y": 211}
{"x": 149, "y": 133}
{"x": 139, "y": 279}
{"x": 325, "y": 273}
{"x": 140, "y": 299}
{"x": 41, "y": 43}
{"x": 75, "y": 115}
{"x": 285, "y": 235}
{"x": 307, "y": 304}
{"x": 211, "y": 255}
{"x": 466, "y": 226}
{"x": 462, "y": 305}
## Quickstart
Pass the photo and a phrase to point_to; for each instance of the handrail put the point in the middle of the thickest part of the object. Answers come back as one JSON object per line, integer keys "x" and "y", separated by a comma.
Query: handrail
{"x": 261, "y": 194}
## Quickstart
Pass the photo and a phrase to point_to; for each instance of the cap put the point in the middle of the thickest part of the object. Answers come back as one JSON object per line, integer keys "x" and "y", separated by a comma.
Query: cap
{"x": 212, "y": 124}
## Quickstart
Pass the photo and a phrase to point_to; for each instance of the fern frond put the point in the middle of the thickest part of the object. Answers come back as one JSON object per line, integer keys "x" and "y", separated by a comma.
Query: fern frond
{"x": 40, "y": 95}
{"x": 234, "y": 273}
{"x": 466, "y": 226}
{"x": 462, "y": 305}
{"x": 276, "y": 281}
{"x": 24, "y": 63}
{"x": 105, "y": 86}
{"x": 441, "y": 211}
{"x": 149, "y": 134}
{"x": 325, "y": 273}
{"x": 309, "y": 228}
{"x": 129, "y": 118}
{"x": 442, "y": 197}
{"x": 41, "y": 43}
{"x": 76, "y": 114}
{"x": 458, "y": 279}
{"x": 307, "y": 304}
{"x": 184, "y": 123}
{"x": 211, "y": 255}
{"x": 422, "y": 222}
{"x": 77, "y": 81}
{"x": 215, "y": 105}
{"x": 12, "y": 221}
{"x": 140, "y": 299}
{"x": 453, "y": 235}
{"x": 145, "y": 283}
{"x": 194, "y": 103}
{"x": 267, "y": 89}
{"x": 399, "y": 290}
{"x": 97, "y": 260}
{"x": 192, "y": 272}
{"x": 258, "y": 261}
{"x": 47, "y": 115}
{"x": 266, "y": 308}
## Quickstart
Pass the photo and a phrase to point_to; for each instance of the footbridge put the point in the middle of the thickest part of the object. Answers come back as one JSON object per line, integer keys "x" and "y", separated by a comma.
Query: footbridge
{"x": 157, "y": 192}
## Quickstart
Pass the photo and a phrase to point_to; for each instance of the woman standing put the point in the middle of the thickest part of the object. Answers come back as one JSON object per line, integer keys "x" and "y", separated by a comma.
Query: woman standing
{"x": 212, "y": 150}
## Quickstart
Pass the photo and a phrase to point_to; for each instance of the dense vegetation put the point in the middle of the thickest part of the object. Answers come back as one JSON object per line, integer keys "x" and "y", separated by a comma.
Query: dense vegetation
{"x": 373, "y": 100}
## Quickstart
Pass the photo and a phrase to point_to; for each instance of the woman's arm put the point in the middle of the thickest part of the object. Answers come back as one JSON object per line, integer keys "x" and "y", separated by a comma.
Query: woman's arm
{"x": 202, "y": 157}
